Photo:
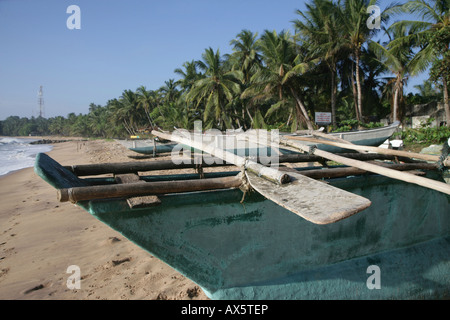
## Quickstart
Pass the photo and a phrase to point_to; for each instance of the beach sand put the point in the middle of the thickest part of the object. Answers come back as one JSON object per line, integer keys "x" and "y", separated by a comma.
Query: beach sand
{"x": 40, "y": 238}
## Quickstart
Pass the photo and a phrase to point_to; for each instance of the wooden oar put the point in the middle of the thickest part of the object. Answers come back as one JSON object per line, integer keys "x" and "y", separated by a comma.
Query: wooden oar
{"x": 421, "y": 181}
{"x": 351, "y": 146}
{"x": 311, "y": 199}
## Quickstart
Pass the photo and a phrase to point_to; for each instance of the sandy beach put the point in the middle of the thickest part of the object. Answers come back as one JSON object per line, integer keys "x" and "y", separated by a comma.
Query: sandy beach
{"x": 40, "y": 238}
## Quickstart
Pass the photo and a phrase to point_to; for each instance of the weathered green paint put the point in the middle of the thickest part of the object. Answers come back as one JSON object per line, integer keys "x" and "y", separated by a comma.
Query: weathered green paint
{"x": 258, "y": 250}
{"x": 162, "y": 148}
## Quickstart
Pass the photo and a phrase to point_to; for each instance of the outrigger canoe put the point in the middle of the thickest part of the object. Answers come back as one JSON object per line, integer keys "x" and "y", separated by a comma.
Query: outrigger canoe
{"x": 370, "y": 137}
{"x": 355, "y": 235}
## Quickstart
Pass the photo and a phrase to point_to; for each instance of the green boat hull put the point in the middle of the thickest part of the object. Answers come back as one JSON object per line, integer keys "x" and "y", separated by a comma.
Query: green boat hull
{"x": 258, "y": 250}
{"x": 247, "y": 152}
{"x": 162, "y": 148}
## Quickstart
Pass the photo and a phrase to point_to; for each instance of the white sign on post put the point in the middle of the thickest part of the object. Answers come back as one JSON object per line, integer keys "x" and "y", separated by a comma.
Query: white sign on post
{"x": 323, "y": 117}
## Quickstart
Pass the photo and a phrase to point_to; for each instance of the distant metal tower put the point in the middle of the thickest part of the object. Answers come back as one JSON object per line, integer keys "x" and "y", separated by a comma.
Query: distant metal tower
{"x": 41, "y": 102}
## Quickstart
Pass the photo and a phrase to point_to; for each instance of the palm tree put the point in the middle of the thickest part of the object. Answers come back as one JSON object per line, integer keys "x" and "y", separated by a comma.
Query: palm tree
{"x": 353, "y": 18}
{"x": 246, "y": 53}
{"x": 432, "y": 36}
{"x": 400, "y": 61}
{"x": 279, "y": 78}
{"x": 126, "y": 110}
{"x": 189, "y": 76}
{"x": 216, "y": 90}
{"x": 321, "y": 29}
{"x": 145, "y": 102}
{"x": 81, "y": 126}
{"x": 97, "y": 120}
{"x": 169, "y": 91}
{"x": 56, "y": 125}
{"x": 428, "y": 91}
{"x": 246, "y": 57}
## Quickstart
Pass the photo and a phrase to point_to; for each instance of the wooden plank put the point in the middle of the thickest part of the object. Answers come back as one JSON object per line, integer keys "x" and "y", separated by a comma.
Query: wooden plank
{"x": 312, "y": 200}
{"x": 143, "y": 202}
{"x": 127, "y": 178}
{"x": 137, "y": 202}
{"x": 410, "y": 178}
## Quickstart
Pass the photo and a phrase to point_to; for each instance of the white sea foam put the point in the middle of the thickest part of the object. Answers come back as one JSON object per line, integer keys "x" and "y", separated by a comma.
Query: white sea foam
{"x": 18, "y": 153}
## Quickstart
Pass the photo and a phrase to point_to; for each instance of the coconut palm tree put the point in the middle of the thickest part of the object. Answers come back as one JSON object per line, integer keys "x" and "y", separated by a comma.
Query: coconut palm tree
{"x": 319, "y": 26}
{"x": 246, "y": 53}
{"x": 169, "y": 91}
{"x": 216, "y": 91}
{"x": 246, "y": 57}
{"x": 431, "y": 35}
{"x": 279, "y": 79}
{"x": 353, "y": 17}
{"x": 126, "y": 110}
{"x": 189, "y": 75}
{"x": 146, "y": 102}
{"x": 400, "y": 61}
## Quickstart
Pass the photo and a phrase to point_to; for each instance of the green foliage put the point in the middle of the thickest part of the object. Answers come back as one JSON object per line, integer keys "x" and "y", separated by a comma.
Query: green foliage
{"x": 348, "y": 125}
{"x": 426, "y": 135}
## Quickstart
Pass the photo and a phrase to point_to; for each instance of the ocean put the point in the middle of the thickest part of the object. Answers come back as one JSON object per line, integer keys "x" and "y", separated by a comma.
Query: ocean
{"x": 18, "y": 153}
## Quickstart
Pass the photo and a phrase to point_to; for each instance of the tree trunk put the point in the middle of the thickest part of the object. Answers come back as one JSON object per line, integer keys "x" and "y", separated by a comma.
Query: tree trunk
{"x": 303, "y": 110}
{"x": 355, "y": 101}
{"x": 395, "y": 104}
{"x": 333, "y": 96}
{"x": 446, "y": 105}
{"x": 150, "y": 120}
{"x": 289, "y": 119}
{"x": 358, "y": 86}
{"x": 249, "y": 114}
{"x": 237, "y": 118}
{"x": 127, "y": 128}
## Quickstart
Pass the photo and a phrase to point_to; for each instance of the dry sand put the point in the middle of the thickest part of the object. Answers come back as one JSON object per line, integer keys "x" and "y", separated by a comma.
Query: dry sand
{"x": 40, "y": 238}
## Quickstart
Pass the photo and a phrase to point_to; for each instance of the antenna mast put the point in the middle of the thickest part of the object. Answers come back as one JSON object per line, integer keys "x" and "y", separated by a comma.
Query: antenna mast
{"x": 41, "y": 102}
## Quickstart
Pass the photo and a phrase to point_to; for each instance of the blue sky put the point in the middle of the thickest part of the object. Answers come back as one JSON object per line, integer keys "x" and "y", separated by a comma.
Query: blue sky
{"x": 122, "y": 44}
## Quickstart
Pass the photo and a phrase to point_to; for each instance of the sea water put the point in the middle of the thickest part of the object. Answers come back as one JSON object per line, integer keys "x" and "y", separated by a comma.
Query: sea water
{"x": 18, "y": 153}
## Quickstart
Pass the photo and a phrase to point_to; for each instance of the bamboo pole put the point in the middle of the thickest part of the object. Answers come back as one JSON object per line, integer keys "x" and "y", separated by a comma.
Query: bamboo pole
{"x": 413, "y": 155}
{"x": 421, "y": 181}
{"x": 327, "y": 173}
{"x": 76, "y": 194}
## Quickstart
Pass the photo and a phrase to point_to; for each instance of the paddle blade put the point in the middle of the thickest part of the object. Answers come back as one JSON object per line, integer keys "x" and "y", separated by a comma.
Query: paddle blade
{"x": 312, "y": 200}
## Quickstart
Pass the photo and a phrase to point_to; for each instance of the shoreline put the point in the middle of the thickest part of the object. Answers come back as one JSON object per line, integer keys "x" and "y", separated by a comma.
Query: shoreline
{"x": 40, "y": 238}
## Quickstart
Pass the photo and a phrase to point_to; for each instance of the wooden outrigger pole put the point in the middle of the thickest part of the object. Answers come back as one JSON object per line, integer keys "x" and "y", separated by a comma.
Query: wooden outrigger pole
{"x": 403, "y": 176}
{"x": 351, "y": 146}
